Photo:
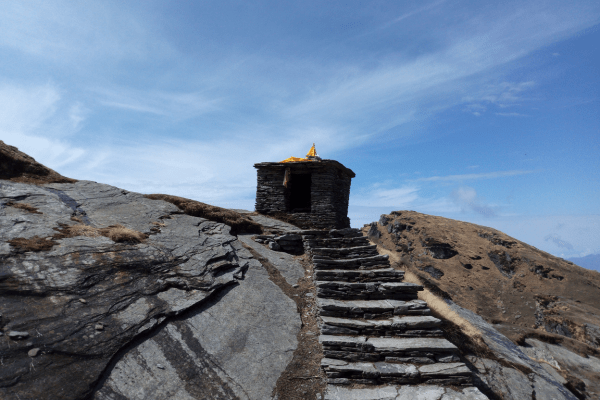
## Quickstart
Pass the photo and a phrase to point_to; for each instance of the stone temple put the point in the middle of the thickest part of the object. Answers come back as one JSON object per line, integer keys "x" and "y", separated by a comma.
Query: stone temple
{"x": 310, "y": 190}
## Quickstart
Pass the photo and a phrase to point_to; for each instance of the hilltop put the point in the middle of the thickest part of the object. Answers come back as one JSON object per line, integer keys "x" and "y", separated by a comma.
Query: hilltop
{"x": 157, "y": 296}
{"x": 523, "y": 292}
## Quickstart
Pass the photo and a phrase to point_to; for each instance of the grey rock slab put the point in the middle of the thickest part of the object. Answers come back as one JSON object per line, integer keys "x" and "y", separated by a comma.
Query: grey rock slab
{"x": 351, "y": 323}
{"x": 332, "y": 361}
{"x": 346, "y": 341}
{"x": 106, "y": 205}
{"x": 17, "y": 223}
{"x": 444, "y": 369}
{"x": 16, "y": 335}
{"x": 285, "y": 263}
{"x": 127, "y": 288}
{"x": 354, "y": 367}
{"x": 274, "y": 224}
{"x": 555, "y": 358}
{"x": 418, "y": 322}
{"x": 400, "y": 370}
{"x": 343, "y": 393}
{"x": 383, "y": 274}
{"x": 502, "y": 379}
{"x": 408, "y": 344}
{"x": 510, "y": 383}
{"x": 235, "y": 346}
{"x": 391, "y": 287}
{"x": 408, "y": 322}
{"x": 375, "y": 306}
{"x": 404, "y": 392}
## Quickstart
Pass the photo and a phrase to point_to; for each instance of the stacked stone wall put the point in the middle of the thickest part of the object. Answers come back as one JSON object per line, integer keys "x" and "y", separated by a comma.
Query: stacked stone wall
{"x": 330, "y": 192}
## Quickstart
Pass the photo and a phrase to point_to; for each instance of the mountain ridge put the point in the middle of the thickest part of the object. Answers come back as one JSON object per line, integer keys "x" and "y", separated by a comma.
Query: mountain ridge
{"x": 526, "y": 322}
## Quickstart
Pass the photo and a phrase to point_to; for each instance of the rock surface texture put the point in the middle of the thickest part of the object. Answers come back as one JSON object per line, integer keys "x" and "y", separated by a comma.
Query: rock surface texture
{"x": 378, "y": 338}
{"x": 110, "y": 295}
{"x": 107, "y": 294}
{"x": 328, "y": 183}
{"x": 527, "y": 318}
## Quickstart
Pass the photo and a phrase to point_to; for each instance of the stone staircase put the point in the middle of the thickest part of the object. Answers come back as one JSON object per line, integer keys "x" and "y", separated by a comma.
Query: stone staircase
{"x": 375, "y": 330}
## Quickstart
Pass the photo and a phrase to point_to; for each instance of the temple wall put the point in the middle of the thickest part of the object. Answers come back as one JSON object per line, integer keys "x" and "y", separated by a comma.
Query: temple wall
{"x": 330, "y": 192}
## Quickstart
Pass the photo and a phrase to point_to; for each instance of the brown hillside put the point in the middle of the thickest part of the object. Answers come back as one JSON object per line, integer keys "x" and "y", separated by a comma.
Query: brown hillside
{"x": 523, "y": 291}
{"x": 17, "y": 166}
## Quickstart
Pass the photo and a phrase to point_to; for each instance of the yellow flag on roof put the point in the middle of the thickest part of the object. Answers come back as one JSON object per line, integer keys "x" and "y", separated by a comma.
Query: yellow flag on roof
{"x": 294, "y": 159}
{"x": 311, "y": 156}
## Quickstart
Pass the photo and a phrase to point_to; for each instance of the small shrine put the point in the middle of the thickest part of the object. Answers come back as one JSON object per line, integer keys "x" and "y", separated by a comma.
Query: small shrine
{"x": 309, "y": 189}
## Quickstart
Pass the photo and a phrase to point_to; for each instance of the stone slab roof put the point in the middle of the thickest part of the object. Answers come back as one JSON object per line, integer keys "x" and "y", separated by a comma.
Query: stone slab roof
{"x": 308, "y": 164}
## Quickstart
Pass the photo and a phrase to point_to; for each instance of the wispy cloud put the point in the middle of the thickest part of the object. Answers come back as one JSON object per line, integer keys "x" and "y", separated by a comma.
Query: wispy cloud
{"x": 466, "y": 177}
{"x": 77, "y": 114}
{"x": 401, "y": 197}
{"x": 65, "y": 31}
{"x": 171, "y": 104}
{"x": 23, "y": 108}
{"x": 556, "y": 239}
{"x": 511, "y": 114}
{"x": 468, "y": 200}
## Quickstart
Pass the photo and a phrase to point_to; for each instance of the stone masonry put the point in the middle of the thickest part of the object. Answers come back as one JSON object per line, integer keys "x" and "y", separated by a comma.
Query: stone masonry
{"x": 327, "y": 188}
{"x": 377, "y": 336}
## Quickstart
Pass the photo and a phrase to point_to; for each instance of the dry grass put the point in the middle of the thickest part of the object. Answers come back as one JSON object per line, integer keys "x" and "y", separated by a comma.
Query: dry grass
{"x": 82, "y": 230}
{"x": 17, "y": 166}
{"x": 120, "y": 234}
{"x": 35, "y": 243}
{"x": 116, "y": 233}
{"x": 239, "y": 223}
{"x": 438, "y": 305}
{"x": 24, "y": 207}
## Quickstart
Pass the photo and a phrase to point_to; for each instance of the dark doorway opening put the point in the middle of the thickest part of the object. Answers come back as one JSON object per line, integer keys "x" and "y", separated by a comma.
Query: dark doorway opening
{"x": 300, "y": 193}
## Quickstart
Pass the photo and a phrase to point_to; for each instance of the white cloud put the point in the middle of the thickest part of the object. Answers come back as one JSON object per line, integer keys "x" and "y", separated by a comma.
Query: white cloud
{"x": 77, "y": 114}
{"x": 26, "y": 115}
{"x": 465, "y": 177}
{"x": 511, "y": 114}
{"x": 26, "y": 108}
{"x": 170, "y": 104}
{"x": 400, "y": 198}
{"x": 467, "y": 198}
{"x": 65, "y": 31}
{"x": 556, "y": 239}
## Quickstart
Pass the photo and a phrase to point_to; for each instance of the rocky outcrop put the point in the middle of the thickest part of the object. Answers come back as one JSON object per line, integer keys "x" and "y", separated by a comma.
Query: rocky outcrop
{"x": 504, "y": 301}
{"x": 173, "y": 307}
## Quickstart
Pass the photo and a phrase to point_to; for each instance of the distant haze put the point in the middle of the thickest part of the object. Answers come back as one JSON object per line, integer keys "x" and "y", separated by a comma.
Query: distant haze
{"x": 591, "y": 261}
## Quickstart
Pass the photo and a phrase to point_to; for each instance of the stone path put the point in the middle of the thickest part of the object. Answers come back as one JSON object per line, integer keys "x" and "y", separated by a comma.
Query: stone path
{"x": 379, "y": 340}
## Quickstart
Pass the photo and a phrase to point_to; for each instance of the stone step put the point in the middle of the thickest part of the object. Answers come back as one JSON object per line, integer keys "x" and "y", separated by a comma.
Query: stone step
{"x": 402, "y": 392}
{"x": 360, "y": 275}
{"x": 355, "y": 263}
{"x": 345, "y": 253}
{"x": 345, "y": 232}
{"x": 336, "y": 242}
{"x": 369, "y": 309}
{"x": 378, "y": 373}
{"x": 412, "y": 350}
{"x": 409, "y": 326}
{"x": 367, "y": 290}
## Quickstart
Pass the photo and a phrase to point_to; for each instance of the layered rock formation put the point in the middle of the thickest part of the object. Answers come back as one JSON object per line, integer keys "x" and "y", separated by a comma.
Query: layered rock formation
{"x": 522, "y": 309}
{"x": 108, "y": 294}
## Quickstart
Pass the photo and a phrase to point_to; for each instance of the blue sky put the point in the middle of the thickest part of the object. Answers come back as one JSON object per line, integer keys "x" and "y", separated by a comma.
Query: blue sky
{"x": 478, "y": 111}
